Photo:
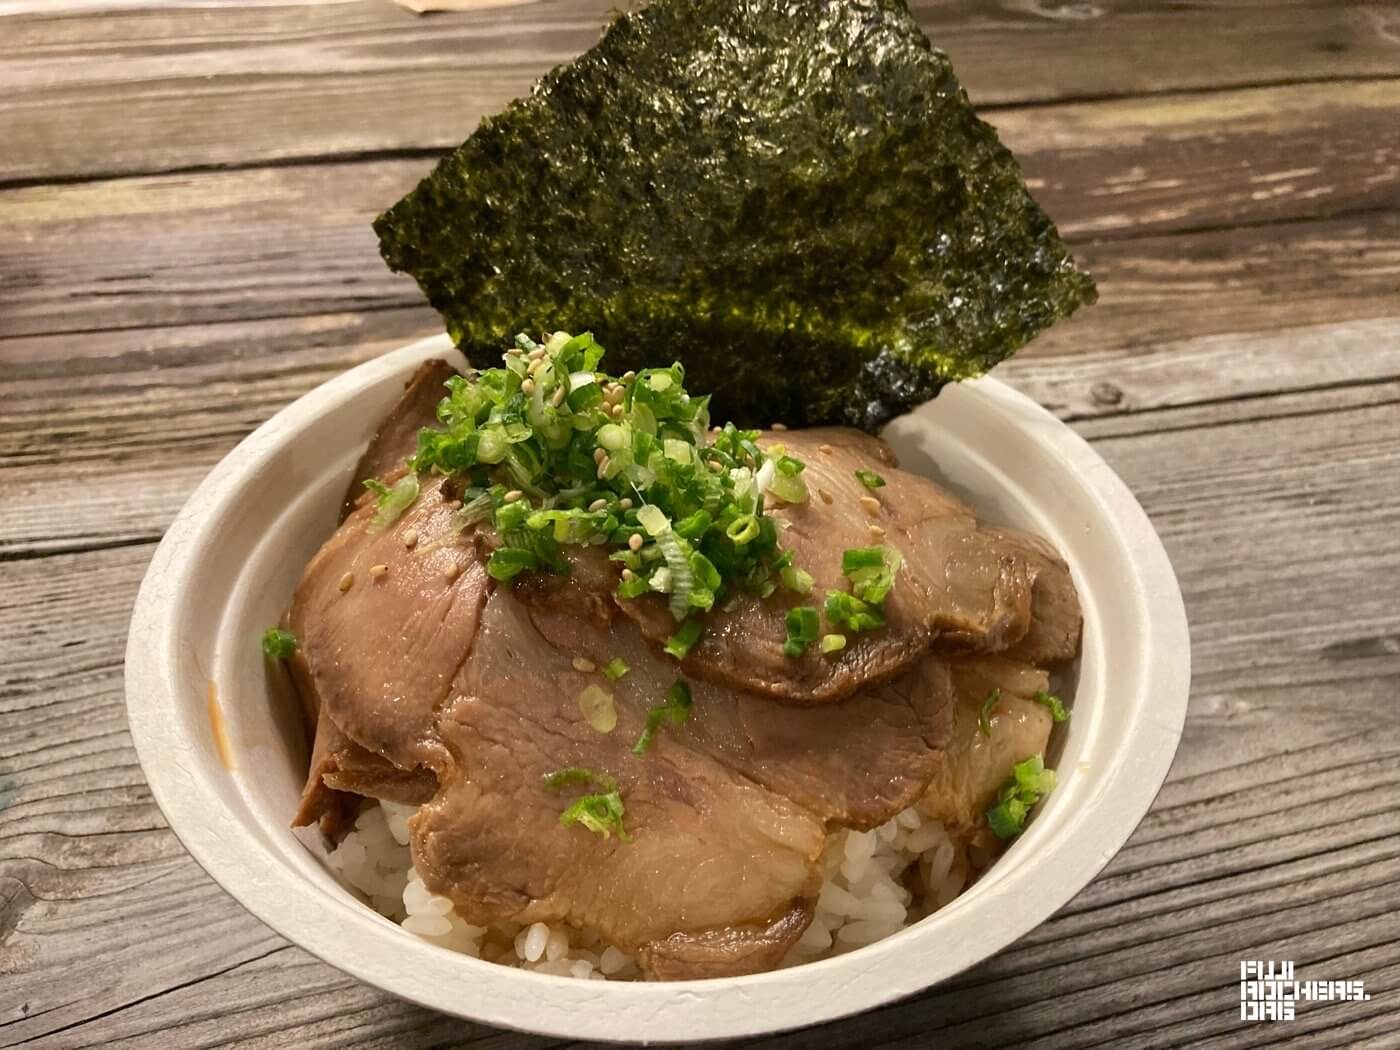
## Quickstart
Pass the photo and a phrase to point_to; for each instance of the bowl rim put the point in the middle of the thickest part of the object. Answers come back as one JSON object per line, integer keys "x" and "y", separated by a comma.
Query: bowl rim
{"x": 631, "y": 1011}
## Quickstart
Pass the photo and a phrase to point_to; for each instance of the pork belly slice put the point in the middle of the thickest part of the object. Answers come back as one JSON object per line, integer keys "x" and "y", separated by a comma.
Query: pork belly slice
{"x": 961, "y": 586}
{"x": 383, "y": 627}
{"x": 726, "y": 814}
{"x": 976, "y": 765}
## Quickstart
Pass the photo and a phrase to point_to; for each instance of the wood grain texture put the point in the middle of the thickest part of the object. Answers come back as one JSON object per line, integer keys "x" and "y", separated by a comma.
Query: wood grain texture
{"x": 184, "y": 248}
{"x": 238, "y": 84}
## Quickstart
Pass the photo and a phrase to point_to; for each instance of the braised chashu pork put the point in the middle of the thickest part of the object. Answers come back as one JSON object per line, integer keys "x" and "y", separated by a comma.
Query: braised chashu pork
{"x": 432, "y": 683}
{"x": 962, "y": 585}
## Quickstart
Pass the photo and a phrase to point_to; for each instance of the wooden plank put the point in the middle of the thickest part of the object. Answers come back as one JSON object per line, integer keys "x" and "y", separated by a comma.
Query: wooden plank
{"x": 1274, "y": 836}
{"x": 240, "y": 84}
{"x": 136, "y": 458}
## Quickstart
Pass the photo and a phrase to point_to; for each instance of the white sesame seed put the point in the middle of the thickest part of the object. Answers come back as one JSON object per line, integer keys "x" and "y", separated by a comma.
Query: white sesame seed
{"x": 628, "y": 574}
{"x": 599, "y": 454}
{"x": 871, "y": 504}
{"x": 617, "y": 411}
{"x": 453, "y": 571}
{"x": 597, "y": 505}
{"x": 346, "y": 582}
{"x": 537, "y": 353}
{"x": 378, "y": 570}
{"x": 877, "y": 532}
{"x": 778, "y": 426}
{"x": 628, "y": 376}
{"x": 827, "y": 449}
{"x": 410, "y": 538}
{"x": 603, "y": 469}
{"x": 624, "y": 503}
{"x": 584, "y": 664}
{"x": 825, "y": 496}
{"x": 634, "y": 541}
{"x": 716, "y": 466}
{"x": 514, "y": 351}
{"x": 527, "y": 386}
{"x": 558, "y": 398}
{"x": 513, "y": 495}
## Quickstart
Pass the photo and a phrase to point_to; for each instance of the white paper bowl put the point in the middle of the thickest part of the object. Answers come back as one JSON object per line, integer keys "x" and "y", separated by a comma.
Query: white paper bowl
{"x": 226, "y": 570}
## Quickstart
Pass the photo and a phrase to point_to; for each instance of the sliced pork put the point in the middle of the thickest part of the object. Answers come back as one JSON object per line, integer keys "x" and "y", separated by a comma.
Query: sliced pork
{"x": 726, "y": 813}
{"x": 385, "y": 620}
{"x": 961, "y": 586}
{"x": 978, "y": 763}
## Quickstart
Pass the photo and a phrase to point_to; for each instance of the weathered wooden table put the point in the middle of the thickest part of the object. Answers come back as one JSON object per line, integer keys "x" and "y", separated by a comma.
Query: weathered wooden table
{"x": 185, "y": 198}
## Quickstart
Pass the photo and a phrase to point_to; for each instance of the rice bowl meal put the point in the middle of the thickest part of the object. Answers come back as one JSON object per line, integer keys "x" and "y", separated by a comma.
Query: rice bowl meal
{"x": 652, "y": 698}
{"x": 608, "y": 673}
{"x": 633, "y": 652}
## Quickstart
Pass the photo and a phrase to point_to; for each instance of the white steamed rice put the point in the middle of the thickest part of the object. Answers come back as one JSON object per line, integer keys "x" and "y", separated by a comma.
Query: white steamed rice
{"x": 874, "y": 884}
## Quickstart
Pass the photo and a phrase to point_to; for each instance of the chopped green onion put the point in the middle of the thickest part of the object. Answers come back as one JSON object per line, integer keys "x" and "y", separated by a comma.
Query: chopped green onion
{"x": 278, "y": 644}
{"x": 743, "y": 530}
{"x": 803, "y": 626}
{"x": 675, "y": 710}
{"x": 506, "y": 563}
{"x": 833, "y": 643}
{"x": 600, "y": 813}
{"x": 861, "y": 558}
{"x": 796, "y": 580}
{"x": 870, "y": 479}
{"x": 680, "y": 643}
{"x": 393, "y": 501}
{"x": 555, "y": 428}
{"x": 1029, "y": 782}
{"x": 846, "y": 610}
{"x": 1057, "y": 709}
{"x": 653, "y": 519}
{"x": 984, "y": 713}
{"x": 615, "y": 669}
{"x": 871, "y": 571}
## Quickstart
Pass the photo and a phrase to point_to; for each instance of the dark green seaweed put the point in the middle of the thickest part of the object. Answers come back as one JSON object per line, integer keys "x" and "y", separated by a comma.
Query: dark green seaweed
{"x": 793, "y": 198}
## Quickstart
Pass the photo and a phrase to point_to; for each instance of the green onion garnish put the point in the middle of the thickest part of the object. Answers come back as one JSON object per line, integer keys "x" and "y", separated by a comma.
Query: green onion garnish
{"x": 506, "y": 563}
{"x": 615, "y": 669}
{"x": 600, "y": 812}
{"x": 1029, "y": 782}
{"x": 675, "y": 710}
{"x": 393, "y": 500}
{"x": 803, "y": 626}
{"x": 870, "y": 479}
{"x": 1057, "y": 709}
{"x": 871, "y": 571}
{"x": 846, "y": 610}
{"x": 833, "y": 643}
{"x": 278, "y": 644}
{"x": 627, "y": 462}
{"x": 984, "y": 713}
{"x": 679, "y": 644}
{"x": 797, "y": 580}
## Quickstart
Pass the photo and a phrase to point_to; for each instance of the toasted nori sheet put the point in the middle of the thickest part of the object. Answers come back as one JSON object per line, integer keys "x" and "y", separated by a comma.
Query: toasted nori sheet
{"x": 794, "y": 198}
